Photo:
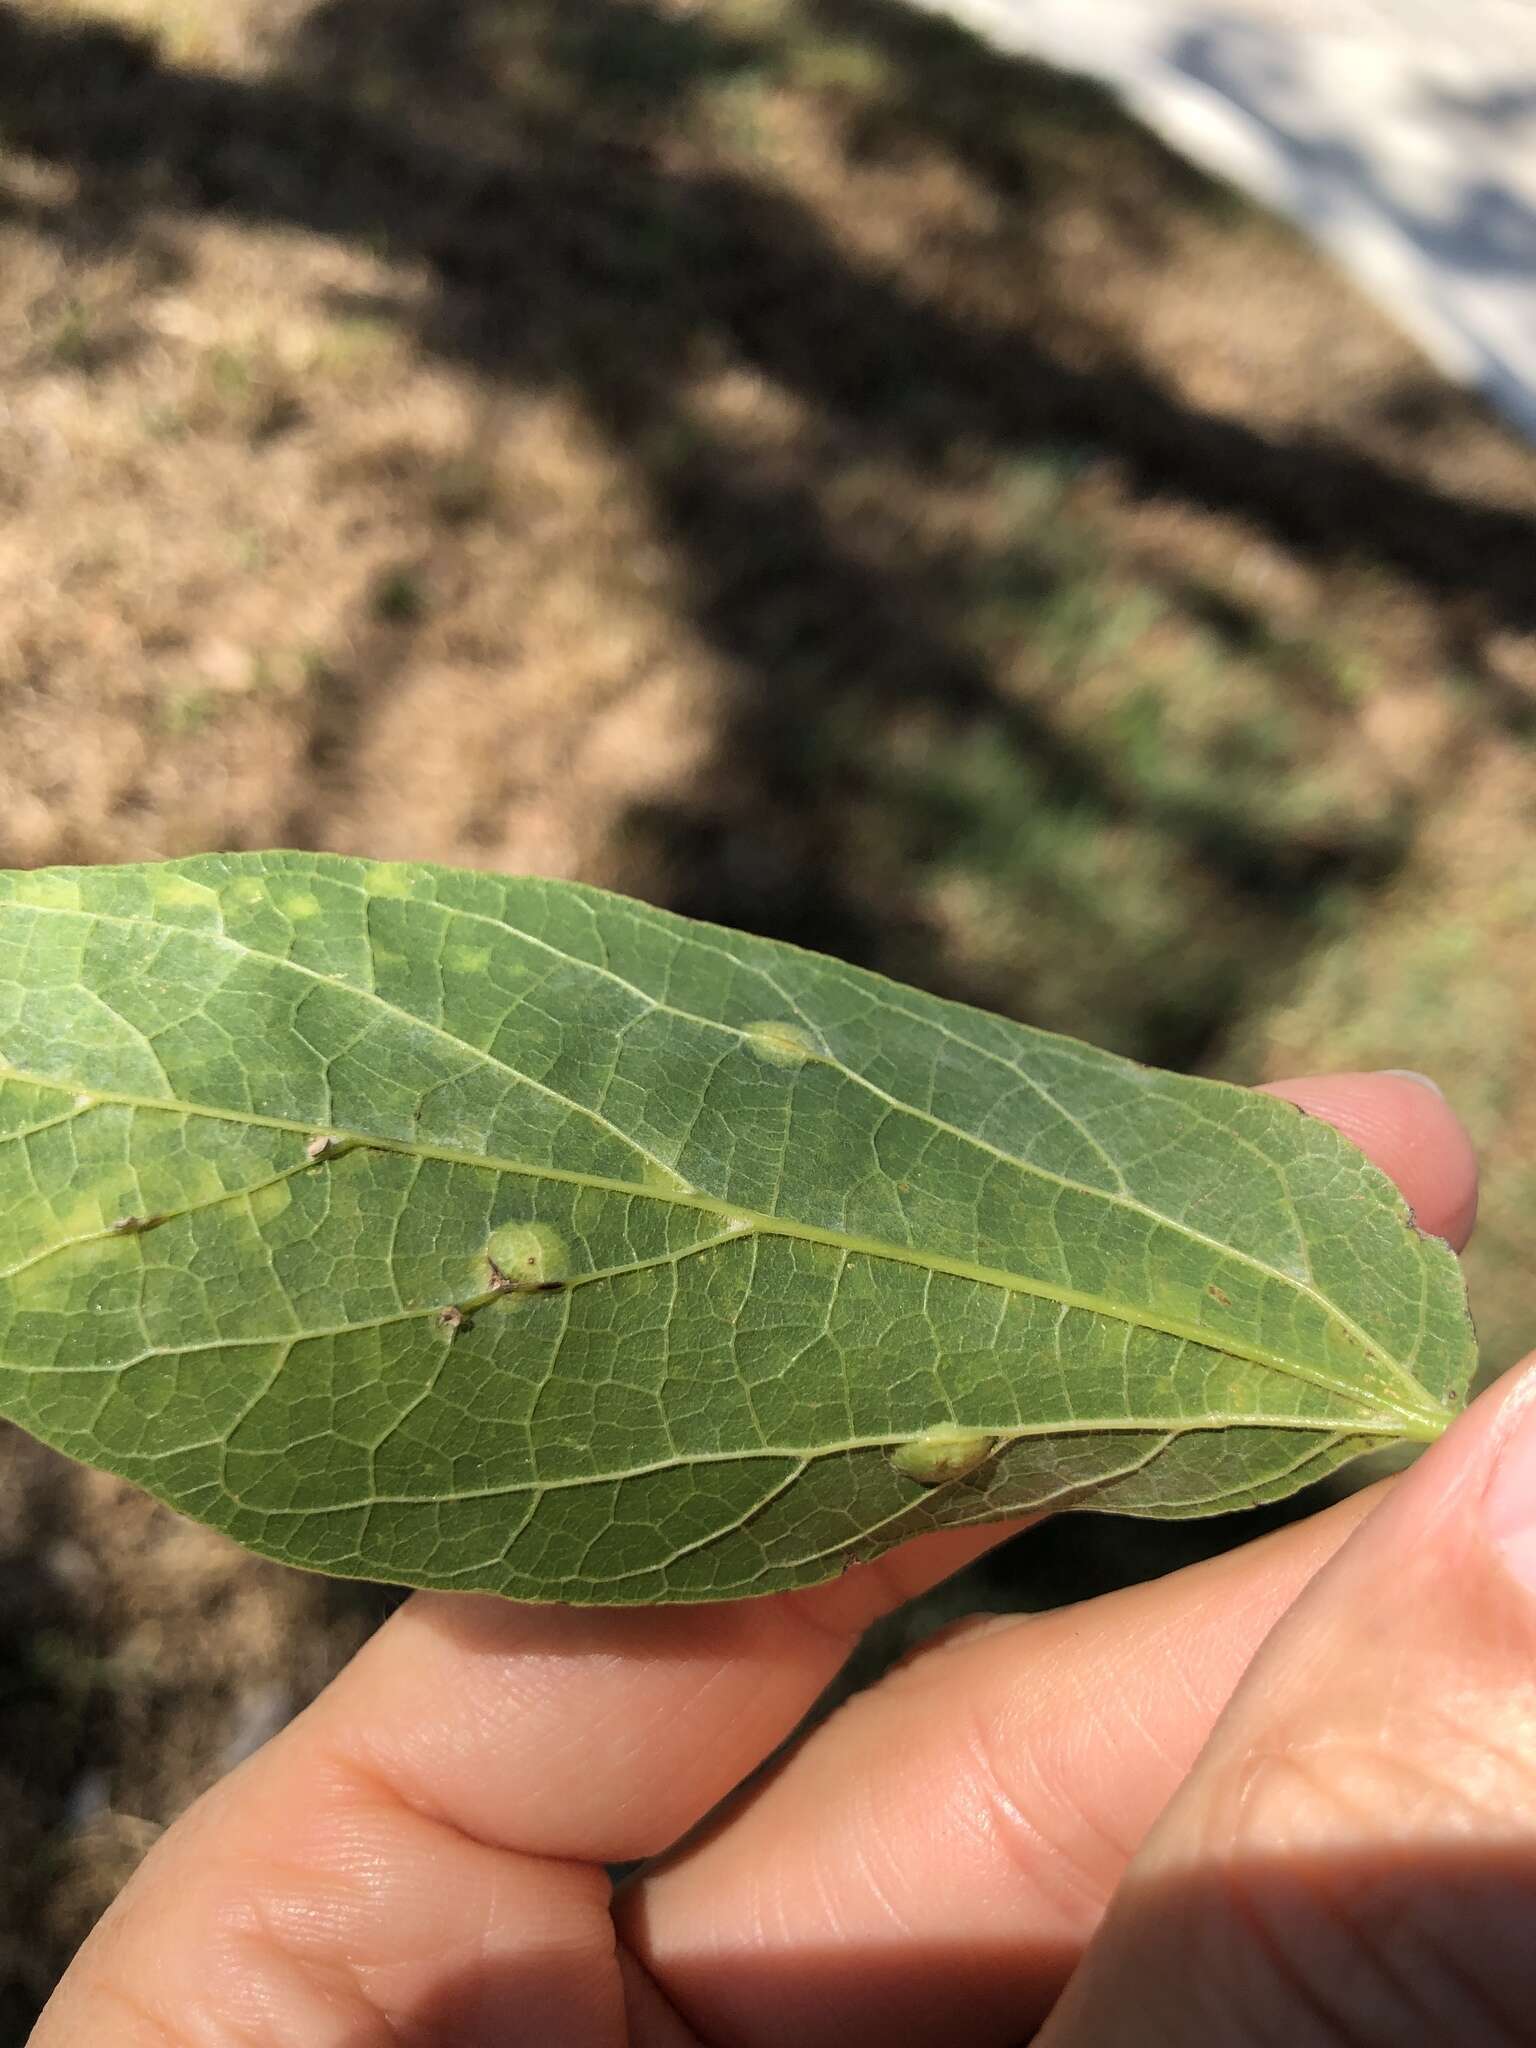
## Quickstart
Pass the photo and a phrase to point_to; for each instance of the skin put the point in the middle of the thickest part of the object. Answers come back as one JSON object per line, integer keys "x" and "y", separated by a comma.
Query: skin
{"x": 1090, "y": 1823}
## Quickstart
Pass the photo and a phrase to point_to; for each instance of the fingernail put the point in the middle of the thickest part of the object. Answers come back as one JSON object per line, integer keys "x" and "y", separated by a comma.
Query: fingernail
{"x": 1509, "y": 1505}
{"x": 1407, "y": 1074}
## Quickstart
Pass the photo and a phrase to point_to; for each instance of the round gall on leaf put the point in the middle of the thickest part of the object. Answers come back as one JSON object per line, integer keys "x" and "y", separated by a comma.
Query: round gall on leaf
{"x": 944, "y": 1452}
{"x": 529, "y": 1257}
{"x": 781, "y": 1045}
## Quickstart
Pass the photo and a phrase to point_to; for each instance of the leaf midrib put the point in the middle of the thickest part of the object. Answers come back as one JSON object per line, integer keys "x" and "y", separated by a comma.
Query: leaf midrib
{"x": 760, "y": 1224}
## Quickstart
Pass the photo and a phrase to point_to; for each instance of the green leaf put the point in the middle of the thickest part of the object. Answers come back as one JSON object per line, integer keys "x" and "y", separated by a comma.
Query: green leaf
{"x": 469, "y": 1232}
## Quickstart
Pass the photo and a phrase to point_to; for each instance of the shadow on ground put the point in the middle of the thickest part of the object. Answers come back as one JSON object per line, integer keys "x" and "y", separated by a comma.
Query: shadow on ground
{"x": 545, "y": 174}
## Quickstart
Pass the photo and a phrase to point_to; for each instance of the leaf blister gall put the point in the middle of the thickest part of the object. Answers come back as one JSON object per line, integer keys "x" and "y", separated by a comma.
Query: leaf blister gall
{"x": 780, "y": 1044}
{"x": 528, "y": 1258}
{"x": 943, "y": 1453}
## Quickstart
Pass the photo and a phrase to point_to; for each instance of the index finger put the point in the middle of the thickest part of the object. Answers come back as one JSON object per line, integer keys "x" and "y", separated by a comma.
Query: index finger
{"x": 1403, "y": 1123}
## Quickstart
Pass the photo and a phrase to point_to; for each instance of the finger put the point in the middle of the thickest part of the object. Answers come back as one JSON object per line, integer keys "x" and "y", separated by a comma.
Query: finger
{"x": 931, "y": 1863}
{"x": 299, "y": 1903}
{"x": 614, "y": 1731}
{"x": 1404, "y": 1124}
{"x": 367, "y": 1877}
{"x": 1354, "y": 1857}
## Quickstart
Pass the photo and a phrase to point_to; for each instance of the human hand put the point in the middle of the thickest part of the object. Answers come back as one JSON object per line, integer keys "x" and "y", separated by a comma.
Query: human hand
{"x": 420, "y": 1857}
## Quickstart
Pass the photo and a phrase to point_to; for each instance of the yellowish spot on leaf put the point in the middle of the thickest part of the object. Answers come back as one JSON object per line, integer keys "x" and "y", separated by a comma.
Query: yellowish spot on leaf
{"x": 47, "y": 889}
{"x": 268, "y": 1203}
{"x": 466, "y": 959}
{"x": 389, "y": 878}
{"x": 175, "y": 892}
{"x": 529, "y": 1257}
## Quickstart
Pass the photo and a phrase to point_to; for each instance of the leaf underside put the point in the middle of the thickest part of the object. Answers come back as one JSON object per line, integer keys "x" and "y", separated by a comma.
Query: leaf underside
{"x": 503, "y": 1234}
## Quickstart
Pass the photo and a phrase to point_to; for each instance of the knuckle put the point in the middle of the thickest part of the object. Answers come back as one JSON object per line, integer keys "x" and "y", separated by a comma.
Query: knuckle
{"x": 1042, "y": 1835}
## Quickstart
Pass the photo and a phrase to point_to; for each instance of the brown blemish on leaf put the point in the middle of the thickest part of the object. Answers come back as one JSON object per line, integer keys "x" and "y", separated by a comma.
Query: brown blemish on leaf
{"x": 132, "y": 1226}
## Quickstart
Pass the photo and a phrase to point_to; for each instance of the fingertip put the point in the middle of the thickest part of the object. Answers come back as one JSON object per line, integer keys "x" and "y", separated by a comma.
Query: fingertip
{"x": 1404, "y": 1125}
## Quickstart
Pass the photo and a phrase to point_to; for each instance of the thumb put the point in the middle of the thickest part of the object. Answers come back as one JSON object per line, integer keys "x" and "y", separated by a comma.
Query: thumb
{"x": 1353, "y": 1858}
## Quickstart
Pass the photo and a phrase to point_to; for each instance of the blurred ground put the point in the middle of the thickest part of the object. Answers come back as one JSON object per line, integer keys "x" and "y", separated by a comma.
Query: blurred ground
{"x": 1401, "y": 134}
{"x": 778, "y": 459}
